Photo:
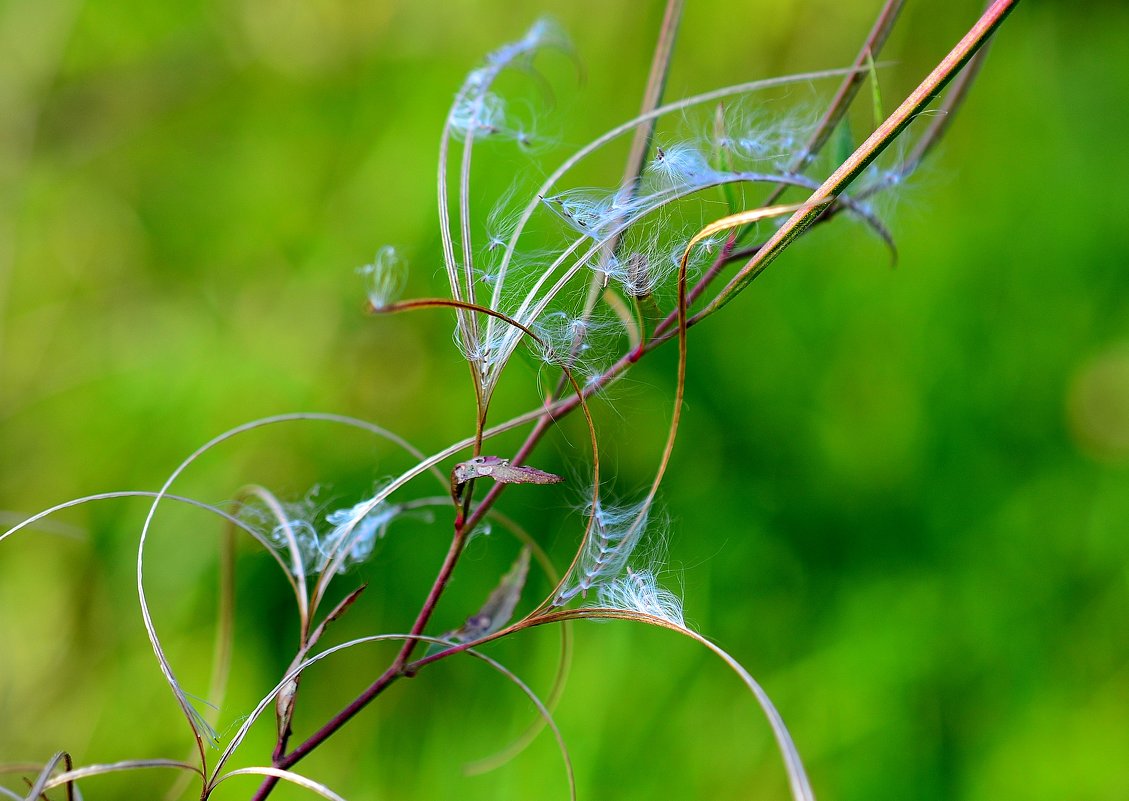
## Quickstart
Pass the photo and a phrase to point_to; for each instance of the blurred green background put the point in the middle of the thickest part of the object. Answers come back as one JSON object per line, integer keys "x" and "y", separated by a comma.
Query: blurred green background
{"x": 900, "y": 497}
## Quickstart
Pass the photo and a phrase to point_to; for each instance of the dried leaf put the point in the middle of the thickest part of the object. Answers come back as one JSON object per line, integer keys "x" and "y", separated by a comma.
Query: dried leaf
{"x": 284, "y": 703}
{"x": 498, "y": 469}
{"x": 337, "y": 612}
{"x": 499, "y": 607}
{"x": 284, "y": 706}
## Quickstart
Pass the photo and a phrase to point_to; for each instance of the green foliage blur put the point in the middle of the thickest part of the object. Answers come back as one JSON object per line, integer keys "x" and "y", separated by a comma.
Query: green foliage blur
{"x": 900, "y": 496}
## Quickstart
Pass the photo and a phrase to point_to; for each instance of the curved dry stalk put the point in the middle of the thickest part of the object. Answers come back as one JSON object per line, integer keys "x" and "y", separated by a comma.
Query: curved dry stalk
{"x": 104, "y": 496}
{"x": 477, "y": 88}
{"x": 526, "y": 738}
{"x": 290, "y": 675}
{"x": 543, "y": 710}
{"x": 285, "y": 775}
{"x": 40, "y": 784}
{"x": 793, "y": 764}
{"x": 297, "y": 566}
{"x": 231, "y": 520}
{"x": 295, "y": 672}
{"x": 445, "y": 228}
{"x": 426, "y": 465}
{"x": 116, "y": 767}
{"x": 182, "y": 701}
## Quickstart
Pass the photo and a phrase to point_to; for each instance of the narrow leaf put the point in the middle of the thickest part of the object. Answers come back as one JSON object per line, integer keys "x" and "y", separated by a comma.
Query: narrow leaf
{"x": 499, "y": 607}
{"x": 875, "y": 90}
